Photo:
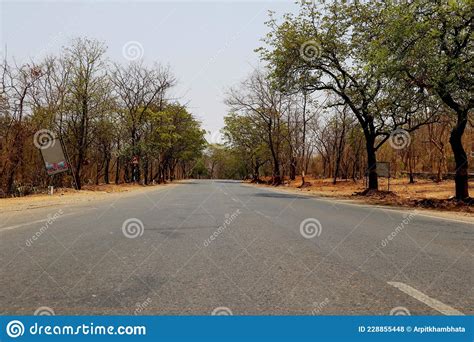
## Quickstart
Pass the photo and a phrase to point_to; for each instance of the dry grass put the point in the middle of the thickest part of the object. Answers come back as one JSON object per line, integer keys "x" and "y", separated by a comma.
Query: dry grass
{"x": 421, "y": 189}
{"x": 423, "y": 193}
{"x": 64, "y": 196}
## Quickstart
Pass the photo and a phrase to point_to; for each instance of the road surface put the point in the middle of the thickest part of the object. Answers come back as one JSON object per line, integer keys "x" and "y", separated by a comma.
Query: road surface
{"x": 223, "y": 247}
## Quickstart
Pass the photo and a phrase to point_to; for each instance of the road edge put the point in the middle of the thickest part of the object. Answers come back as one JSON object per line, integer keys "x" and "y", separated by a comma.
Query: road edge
{"x": 432, "y": 213}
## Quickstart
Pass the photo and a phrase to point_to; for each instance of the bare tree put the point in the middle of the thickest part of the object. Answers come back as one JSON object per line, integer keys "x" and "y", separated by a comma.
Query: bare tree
{"x": 258, "y": 99}
{"x": 88, "y": 93}
{"x": 17, "y": 83}
{"x": 138, "y": 88}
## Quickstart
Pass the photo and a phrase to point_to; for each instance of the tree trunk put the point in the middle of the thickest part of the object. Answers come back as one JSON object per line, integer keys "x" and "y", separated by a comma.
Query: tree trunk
{"x": 79, "y": 162}
{"x": 145, "y": 171}
{"x": 338, "y": 158}
{"x": 410, "y": 170}
{"x": 117, "y": 166}
{"x": 442, "y": 165}
{"x": 97, "y": 174}
{"x": 151, "y": 172}
{"x": 126, "y": 173}
{"x": 16, "y": 158}
{"x": 461, "y": 178}
{"x": 106, "y": 170}
{"x": 163, "y": 174}
{"x": 82, "y": 141}
{"x": 293, "y": 168}
{"x": 410, "y": 164}
{"x": 256, "y": 175}
{"x": 10, "y": 181}
{"x": 117, "y": 171}
{"x": 276, "y": 177}
{"x": 276, "y": 172}
{"x": 372, "y": 163}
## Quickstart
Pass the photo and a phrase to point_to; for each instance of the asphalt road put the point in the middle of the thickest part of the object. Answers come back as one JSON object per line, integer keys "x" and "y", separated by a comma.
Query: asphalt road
{"x": 223, "y": 246}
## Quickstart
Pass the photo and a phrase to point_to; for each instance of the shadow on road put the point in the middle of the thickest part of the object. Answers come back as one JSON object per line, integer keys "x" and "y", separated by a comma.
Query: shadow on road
{"x": 277, "y": 195}
{"x": 228, "y": 181}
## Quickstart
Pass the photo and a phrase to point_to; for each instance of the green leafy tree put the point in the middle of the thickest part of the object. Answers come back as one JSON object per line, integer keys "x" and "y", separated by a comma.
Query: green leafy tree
{"x": 429, "y": 45}
{"x": 326, "y": 50}
{"x": 245, "y": 138}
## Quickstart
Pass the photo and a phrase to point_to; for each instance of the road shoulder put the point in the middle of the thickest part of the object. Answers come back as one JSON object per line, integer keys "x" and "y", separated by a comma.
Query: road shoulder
{"x": 464, "y": 217}
{"x": 73, "y": 197}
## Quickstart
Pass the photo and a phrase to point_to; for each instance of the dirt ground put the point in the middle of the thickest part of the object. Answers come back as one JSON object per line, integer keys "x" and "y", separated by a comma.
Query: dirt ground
{"x": 423, "y": 193}
{"x": 89, "y": 193}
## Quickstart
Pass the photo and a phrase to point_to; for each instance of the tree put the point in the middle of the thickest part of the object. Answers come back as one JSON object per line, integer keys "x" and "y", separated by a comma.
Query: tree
{"x": 88, "y": 95}
{"x": 187, "y": 138}
{"x": 429, "y": 45}
{"x": 245, "y": 138}
{"x": 258, "y": 99}
{"x": 17, "y": 84}
{"x": 105, "y": 115}
{"x": 138, "y": 88}
{"x": 327, "y": 51}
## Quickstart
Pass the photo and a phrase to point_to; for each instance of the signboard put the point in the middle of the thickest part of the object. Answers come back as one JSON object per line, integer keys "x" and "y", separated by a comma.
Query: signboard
{"x": 383, "y": 169}
{"x": 52, "y": 152}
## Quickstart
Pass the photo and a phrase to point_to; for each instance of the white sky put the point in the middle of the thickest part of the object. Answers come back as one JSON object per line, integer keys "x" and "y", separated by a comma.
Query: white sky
{"x": 209, "y": 45}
